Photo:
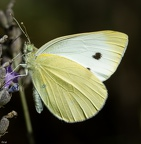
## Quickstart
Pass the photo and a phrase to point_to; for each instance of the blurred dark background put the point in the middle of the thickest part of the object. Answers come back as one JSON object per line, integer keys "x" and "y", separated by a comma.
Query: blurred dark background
{"x": 119, "y": 122}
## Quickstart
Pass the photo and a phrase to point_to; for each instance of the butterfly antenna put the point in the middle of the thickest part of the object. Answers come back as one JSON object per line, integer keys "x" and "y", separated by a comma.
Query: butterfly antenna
{"x": 23, "y": 31}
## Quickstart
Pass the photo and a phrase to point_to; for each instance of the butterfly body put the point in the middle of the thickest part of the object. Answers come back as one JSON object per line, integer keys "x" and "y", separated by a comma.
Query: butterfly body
{"x": 67, "y": 72}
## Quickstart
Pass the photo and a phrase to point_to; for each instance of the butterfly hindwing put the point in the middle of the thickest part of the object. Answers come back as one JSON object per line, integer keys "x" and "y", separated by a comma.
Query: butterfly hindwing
{"x": 70, "y": 91}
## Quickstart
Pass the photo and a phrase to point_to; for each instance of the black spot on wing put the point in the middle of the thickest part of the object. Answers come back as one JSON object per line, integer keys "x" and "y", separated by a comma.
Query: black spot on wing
{"x": 97, "y": 56}
{"x": 88, "y": 68}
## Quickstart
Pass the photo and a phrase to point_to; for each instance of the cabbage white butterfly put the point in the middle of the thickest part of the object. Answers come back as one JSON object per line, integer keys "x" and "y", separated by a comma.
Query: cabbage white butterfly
{"x": 68, "y": 72}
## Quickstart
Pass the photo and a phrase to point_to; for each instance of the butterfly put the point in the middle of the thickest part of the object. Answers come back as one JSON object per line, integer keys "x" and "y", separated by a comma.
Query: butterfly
{"x": 68, "y": 72}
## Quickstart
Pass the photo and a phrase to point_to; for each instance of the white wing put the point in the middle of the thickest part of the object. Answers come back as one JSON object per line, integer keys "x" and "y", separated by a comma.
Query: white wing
{"x": 100, "y": 52}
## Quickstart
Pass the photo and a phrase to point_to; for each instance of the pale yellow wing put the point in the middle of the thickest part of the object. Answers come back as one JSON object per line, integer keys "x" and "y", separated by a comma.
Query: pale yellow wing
{"x": 70, "y": 91}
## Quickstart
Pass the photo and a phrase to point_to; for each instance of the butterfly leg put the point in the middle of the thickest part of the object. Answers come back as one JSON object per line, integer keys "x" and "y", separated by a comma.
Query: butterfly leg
{"x": 24, "y": 66}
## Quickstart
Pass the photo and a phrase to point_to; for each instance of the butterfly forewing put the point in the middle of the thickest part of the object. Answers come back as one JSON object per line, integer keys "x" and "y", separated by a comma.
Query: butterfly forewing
{"x": 100, "y": 52}
{"x": 70, "y": 91}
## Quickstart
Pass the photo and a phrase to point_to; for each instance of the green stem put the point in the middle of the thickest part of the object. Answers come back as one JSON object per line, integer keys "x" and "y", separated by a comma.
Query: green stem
{"x": 26, "y": 115}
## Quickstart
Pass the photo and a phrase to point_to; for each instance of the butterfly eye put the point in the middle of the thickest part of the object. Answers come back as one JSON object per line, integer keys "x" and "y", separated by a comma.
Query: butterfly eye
{"x": 97, "y": 56}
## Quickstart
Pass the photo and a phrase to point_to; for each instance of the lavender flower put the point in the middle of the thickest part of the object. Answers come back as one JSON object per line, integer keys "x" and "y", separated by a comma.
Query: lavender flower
{"x": 11, "y": 80}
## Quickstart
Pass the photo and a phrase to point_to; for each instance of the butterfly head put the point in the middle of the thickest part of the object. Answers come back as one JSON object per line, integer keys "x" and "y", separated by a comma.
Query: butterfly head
{"x": 28, "y": 47}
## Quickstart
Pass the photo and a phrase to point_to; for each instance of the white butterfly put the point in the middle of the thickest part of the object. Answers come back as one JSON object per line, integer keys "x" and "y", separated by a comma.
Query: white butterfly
{"x": 67, "y": 72}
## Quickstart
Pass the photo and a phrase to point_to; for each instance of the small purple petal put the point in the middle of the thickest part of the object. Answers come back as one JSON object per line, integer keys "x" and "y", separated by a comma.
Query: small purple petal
{"x": 10, "y": 77}
{"x": 8, "y": 69}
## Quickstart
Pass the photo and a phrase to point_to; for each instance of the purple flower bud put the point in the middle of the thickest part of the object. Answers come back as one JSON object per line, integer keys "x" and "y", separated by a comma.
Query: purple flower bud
{"x": 5, "y": 97}
{"x": 13, "y": 88}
